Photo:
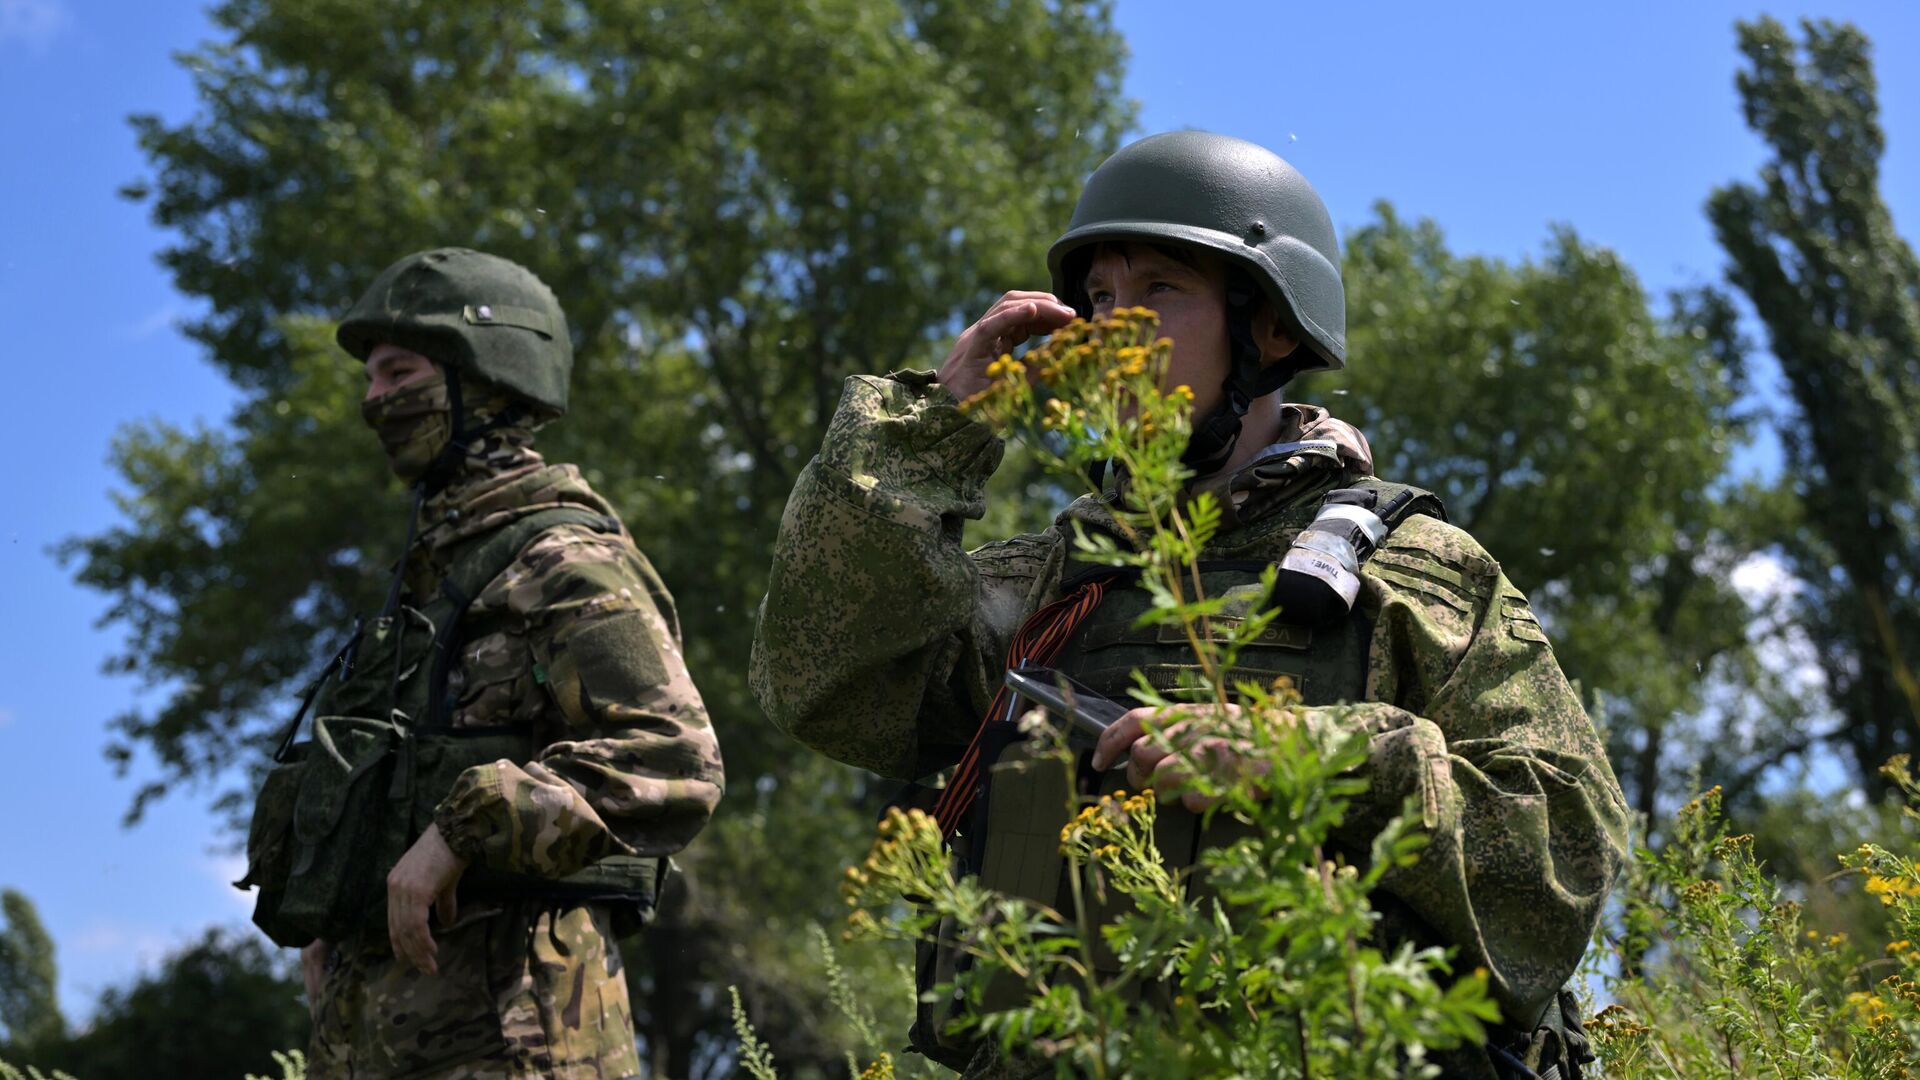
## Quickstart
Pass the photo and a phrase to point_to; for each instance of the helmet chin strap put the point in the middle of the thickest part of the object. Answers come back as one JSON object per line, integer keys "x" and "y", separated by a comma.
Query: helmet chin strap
{"x": 446, "y": 464}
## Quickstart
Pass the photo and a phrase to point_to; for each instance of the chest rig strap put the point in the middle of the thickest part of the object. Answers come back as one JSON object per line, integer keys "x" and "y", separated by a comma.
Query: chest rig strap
{"x": 1037, "y": 641}
{"x": 473, "y": 569}
{"x": 478, "y": 563}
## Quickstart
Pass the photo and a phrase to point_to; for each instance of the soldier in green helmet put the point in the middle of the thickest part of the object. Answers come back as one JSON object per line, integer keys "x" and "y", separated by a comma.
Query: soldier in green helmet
{"x": 1460, "y": 693}
{"x": 501, "y": 761}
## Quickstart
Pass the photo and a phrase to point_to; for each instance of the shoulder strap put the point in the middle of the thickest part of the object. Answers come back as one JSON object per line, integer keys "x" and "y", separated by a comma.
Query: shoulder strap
{"x": 480, "y": 561}
{"x": 1394, "y": 503}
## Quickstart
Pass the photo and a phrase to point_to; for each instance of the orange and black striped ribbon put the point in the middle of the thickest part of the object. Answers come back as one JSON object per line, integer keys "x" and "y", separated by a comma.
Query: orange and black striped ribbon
{"x": 1037, "y": 642}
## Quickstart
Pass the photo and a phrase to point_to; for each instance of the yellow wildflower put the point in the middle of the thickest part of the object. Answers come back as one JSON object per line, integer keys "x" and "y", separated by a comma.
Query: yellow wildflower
{"x": 1699, "y": 892}
{"x": 1891, "y": 889}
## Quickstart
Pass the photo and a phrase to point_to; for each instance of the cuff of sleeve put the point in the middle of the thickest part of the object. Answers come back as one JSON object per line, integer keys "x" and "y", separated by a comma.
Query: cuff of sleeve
{"x": 906, "y": 435}
{"x": 463, "y": 815}
{"x": 1406, "y": 757}
{"x": 924, "y": 381}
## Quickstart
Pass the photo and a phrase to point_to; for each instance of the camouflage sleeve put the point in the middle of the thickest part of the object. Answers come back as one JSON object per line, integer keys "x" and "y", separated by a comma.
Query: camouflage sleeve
{"x": 879, "y": 632}
{"x": 1473, "y": 720}
{"x": 636, "y": 769}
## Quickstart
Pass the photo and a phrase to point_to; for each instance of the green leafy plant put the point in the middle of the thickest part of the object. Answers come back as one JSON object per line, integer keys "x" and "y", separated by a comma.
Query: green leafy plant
{"x": 1718, "y": 975}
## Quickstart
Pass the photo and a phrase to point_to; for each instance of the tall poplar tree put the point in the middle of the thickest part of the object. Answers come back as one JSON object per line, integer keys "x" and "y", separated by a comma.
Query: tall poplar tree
{"x": 29, "y": 1004}
{"x": 1813, "y": 247}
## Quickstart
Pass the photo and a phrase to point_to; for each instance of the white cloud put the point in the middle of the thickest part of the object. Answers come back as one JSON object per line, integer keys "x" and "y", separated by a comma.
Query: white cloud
{"x": 1769, "y": 588}
{"x": 1764, "y": 578}
{"x": 225, "y": 870}
{"x": 145, "y": 945}
{"x": 160, "y": 320}
{"x": 7, "y": 717}
{"x": 33, "y": 23}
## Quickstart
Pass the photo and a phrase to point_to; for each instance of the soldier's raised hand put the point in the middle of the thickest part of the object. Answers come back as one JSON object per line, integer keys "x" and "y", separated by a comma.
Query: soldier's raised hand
{"x": 1011, "y": 320}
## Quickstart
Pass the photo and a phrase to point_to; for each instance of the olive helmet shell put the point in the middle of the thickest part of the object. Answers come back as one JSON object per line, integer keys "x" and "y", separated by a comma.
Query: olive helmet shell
{"x": 1229, "y": 196}
{"x": 486, "y": 316}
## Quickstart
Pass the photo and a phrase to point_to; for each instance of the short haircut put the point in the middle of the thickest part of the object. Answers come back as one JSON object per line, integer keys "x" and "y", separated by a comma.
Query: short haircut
{"x": 1186, "y": 255}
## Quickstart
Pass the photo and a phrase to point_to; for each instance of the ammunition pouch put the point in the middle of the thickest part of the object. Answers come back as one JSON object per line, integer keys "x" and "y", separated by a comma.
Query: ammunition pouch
{"x": 336, "y": 813}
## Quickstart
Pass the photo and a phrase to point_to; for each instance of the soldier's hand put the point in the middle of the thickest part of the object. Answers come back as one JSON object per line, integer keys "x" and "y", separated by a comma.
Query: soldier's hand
{"x": 425, "y": 878}
{"x": 1011, "y": 320}
{"x": 313, "y": 972}
{"x": 1168, "y": 763}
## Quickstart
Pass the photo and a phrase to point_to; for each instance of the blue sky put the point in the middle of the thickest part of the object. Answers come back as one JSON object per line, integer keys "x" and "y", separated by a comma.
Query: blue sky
{"x": 1494, "y": 119}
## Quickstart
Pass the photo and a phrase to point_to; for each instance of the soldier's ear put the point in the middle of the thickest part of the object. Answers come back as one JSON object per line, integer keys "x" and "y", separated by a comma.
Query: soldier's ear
{"x": 1271, "y": 335}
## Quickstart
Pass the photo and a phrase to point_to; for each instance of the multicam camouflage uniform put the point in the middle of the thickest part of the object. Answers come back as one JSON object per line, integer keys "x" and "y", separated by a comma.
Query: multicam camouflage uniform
{"x": 1468, "y": 709}
{"x": 531, "y": 987}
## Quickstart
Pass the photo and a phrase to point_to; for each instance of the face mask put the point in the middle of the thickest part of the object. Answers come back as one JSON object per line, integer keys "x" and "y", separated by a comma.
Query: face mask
{"x": 414, "y": 423}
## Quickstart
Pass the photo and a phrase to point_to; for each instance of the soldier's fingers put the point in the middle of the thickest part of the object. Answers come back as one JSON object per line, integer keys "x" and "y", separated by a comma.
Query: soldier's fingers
{"x": 448, "y": 903}
{"x": 1197, "y": 803}
{"x": 406, "y": 925}
{"x": 1119, "y": 735}
{"x": 419, "y": 940}
{"x": 1018, "y": 298}
{"x": 313, "y": 961}
{"x": 1013, "y": 322}
{"x": 429, "y": 951}
{"x": 1147, "y": 753}
{"x": 395, "y": 907}
{"x": 1170, "y": 779}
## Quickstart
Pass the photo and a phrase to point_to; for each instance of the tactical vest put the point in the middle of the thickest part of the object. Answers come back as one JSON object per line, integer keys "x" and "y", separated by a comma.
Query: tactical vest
{"x": 1013, "y": 838}
{"x": 337, "y": 811}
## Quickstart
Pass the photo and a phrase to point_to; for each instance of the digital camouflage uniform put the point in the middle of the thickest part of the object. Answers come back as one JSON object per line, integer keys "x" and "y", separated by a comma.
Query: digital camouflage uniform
{"x": 533, "y": 987}
{"x": 881, "y": 640}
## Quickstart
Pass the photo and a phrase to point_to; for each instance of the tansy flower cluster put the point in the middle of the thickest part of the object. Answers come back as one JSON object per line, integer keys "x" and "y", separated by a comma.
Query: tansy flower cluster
{"x": 1889, "y": 889}
{"x": 1116, "y": 834}
{"x": 907, "y": 859}
{"x": 1115, "y": 359}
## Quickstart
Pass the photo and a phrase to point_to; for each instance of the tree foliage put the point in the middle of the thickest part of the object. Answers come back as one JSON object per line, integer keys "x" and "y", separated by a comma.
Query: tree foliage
{"x": 1813, "y": 247}
{"x": 1582, "y": 436}
{"x": 221, "y": 1007}
{"x": 29, "y": 1002}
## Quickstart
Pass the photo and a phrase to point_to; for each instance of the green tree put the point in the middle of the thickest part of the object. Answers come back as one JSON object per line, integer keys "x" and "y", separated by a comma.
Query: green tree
{"x": 739, "y": 204}
{"x": 1814, "y": 249}
{"x": 1582, "y": 436}
{"x": 217, "y": 1008}
{"x": 29, "y": 999}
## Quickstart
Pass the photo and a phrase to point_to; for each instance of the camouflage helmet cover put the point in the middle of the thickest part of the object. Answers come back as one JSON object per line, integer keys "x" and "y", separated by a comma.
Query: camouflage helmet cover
{"x": 484, "y": 315}
{"x": 1229, "y": 196}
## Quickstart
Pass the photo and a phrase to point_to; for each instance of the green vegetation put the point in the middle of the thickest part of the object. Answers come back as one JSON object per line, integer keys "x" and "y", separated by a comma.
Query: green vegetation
{"x": 223, "y": 1006}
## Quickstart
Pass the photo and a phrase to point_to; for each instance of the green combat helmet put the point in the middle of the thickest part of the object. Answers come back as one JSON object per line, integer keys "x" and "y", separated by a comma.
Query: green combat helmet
{"x": 1242, "y": 201}
{"x": 477, "y": 314}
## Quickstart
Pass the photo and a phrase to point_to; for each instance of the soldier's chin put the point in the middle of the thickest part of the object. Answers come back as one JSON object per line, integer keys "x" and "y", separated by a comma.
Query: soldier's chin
{"x": 406, "y": 470}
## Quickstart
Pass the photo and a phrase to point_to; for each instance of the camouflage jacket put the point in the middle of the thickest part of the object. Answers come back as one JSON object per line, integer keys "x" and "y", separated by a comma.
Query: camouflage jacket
{"x": 629, "y": 763}
{"x": 1467, "y": 708}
